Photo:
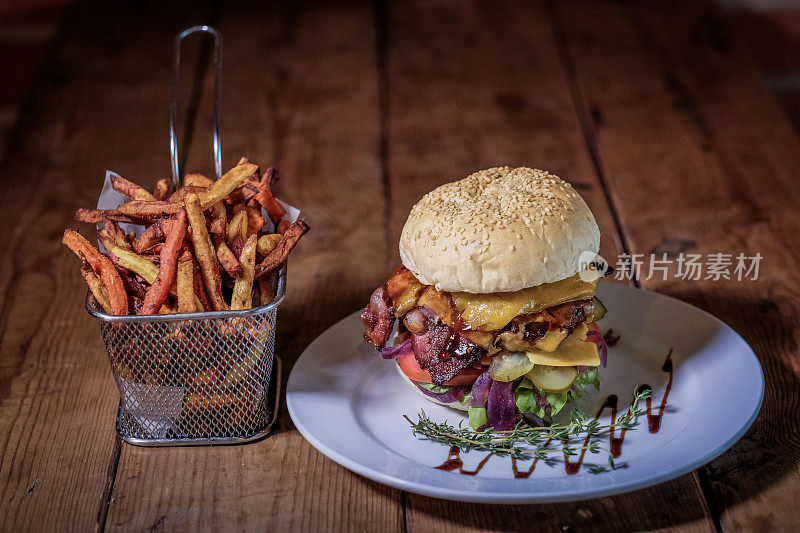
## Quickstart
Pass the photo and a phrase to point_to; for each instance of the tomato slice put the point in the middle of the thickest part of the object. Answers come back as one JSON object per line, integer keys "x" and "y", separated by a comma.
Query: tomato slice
{"x": 410, "y": 367}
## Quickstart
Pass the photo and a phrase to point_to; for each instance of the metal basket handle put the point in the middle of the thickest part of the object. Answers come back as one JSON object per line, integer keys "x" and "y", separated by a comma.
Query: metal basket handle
{"x": 173, "y": 109}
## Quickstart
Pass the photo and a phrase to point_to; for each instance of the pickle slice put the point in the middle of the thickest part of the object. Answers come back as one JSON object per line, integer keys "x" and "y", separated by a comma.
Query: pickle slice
{"x": 552, "y": 378}
{"x": 599, "y": 309}
{"x": 509, "y": 366}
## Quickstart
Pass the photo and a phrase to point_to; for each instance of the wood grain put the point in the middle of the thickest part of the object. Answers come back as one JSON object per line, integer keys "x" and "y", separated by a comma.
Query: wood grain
{"x": 701, "y": 159}
{"x": 483, "y": 85}
{"x": 57, "y": 398}
{"x": 299, "y": 93}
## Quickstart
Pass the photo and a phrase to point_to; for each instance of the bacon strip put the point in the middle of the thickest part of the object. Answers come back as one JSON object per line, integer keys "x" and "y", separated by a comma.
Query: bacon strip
{"x": 378, "y": 318}
{"x": 439, "y": 348}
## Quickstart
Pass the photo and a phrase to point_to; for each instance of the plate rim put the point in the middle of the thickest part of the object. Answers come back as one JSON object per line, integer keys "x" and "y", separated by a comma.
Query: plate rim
{"x": 456, "y": 494}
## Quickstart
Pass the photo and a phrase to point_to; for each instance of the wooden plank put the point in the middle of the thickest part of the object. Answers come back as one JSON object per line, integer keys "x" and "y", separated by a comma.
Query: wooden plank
{"x": 300, "y": 92}
{"x": 701, "y": 159}
{"x": 474, "y": 86}
{"x": 58, "y": 447}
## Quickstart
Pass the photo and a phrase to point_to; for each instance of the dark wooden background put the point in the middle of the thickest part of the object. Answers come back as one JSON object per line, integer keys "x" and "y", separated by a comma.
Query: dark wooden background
{"x": 648, "y": 108}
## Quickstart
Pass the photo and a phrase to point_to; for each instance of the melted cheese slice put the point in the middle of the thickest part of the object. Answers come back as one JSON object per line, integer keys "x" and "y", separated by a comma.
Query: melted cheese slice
{"x": 494, "y": 310}
{"x": 573, "y": 351}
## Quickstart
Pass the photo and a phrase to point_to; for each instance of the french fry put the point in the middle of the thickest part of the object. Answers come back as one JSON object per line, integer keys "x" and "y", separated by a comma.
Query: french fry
{"x": 149, "y": 209}
{"x": 238, "y": 223}
{"x": 161, "y": 190}
{"x": 159, "y": 290}
{"x": 130, "y": 189}
{"x": 227, "y": 183}
{"x": 228, "y": 261}
{"x": 267, "y": 243}
{"x": 219, "y": 223}
{"x": 135, "y": 263}
{"x": 111, "y": 235}
{"x": 185, "y": 285}
{"x": 242, "y": 297}
{"x": 179, "y": 195}
{"x": 96, "y": 286}
{"x": 199, "y": 290}
{"x": 102, "y": 265}
{"x": 151, "y": 236}
{"x": 281, "y": 251}
{"x": 197, "y": 180}
{"x": 209, "y": 266}
{"x": 155, "y": 273}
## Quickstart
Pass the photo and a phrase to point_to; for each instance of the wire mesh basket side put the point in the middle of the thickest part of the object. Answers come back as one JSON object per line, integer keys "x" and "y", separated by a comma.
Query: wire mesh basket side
{"x": 195, "y": 380}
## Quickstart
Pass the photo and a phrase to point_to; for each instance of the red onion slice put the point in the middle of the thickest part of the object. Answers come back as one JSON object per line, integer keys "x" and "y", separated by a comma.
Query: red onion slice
{"x": 597, "y": 338}
{"x": 480, "y": 390}
{"x": 393, "y": 352}
{"x": 501, "y": 409}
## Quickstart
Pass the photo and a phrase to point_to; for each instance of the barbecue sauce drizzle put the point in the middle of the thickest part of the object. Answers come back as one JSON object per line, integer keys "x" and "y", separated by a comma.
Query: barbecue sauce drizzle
{"x": 454, "y": 462}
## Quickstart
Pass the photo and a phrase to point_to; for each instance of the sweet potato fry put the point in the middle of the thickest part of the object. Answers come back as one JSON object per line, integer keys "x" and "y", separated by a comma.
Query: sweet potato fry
{"x": 152, "y": 235}
{"x": 184, "y": 284}
{"x": 228, "y": 261}
{"x": 282, "y": 226}
{"x": 227, "y": 183}
{"x": 266, "y": 292}
{"x": 135, "y": 288}
{"x": 274, "y": 209}
{"x": 270, "y": 177}
{"x": 149, "y": 209}
{"x": 209, "y": 266}
{"x": 255, "y": 222}
{"x": 95, "y": 216}
{"x": 159, "y": 290}
{"x": 96, "y": 286}
{"x": 102, "y": 266}
{"x": 281, "y": 251}
{"x": 130, "y": 189}
{"x": 242, "y": 297}
{"x": 241, "y": 194}
{"x": 161, "y": 190}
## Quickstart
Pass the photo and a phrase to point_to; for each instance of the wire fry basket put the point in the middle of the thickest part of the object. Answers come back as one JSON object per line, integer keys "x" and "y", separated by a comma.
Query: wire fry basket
{"x": 194, "y": 378}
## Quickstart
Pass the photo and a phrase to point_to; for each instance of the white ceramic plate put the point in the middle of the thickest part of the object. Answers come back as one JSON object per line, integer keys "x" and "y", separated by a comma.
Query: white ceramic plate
{"x": 349, "y": 404}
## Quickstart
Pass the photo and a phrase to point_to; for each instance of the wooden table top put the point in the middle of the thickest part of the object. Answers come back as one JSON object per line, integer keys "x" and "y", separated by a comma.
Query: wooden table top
{"x": 653, "y": 112}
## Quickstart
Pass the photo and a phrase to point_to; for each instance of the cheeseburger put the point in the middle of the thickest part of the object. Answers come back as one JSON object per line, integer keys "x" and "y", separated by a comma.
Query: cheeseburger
{"x": 493, "y": 310}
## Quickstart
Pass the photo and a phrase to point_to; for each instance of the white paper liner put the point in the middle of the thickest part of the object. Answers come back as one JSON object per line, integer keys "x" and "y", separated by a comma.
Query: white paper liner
{"x": 138, "y": 398}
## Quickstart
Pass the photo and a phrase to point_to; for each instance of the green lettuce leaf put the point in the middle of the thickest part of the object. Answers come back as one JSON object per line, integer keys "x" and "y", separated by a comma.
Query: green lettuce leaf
{"x": 477, "y": 417}
{"x": 526, "y": 398}
{"x": 438, "y": 389}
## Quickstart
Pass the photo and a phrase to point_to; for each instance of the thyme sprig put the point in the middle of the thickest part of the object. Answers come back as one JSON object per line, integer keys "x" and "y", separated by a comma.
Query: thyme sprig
{"x": 525, "y": 442}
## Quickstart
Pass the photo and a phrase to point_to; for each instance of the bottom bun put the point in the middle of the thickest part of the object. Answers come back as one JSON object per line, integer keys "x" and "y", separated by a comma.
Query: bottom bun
{"x": 454, "y": 405}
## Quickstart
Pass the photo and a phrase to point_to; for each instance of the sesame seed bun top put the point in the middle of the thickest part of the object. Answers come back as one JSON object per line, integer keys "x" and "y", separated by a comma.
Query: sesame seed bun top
{"x": 498, "y": 230}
